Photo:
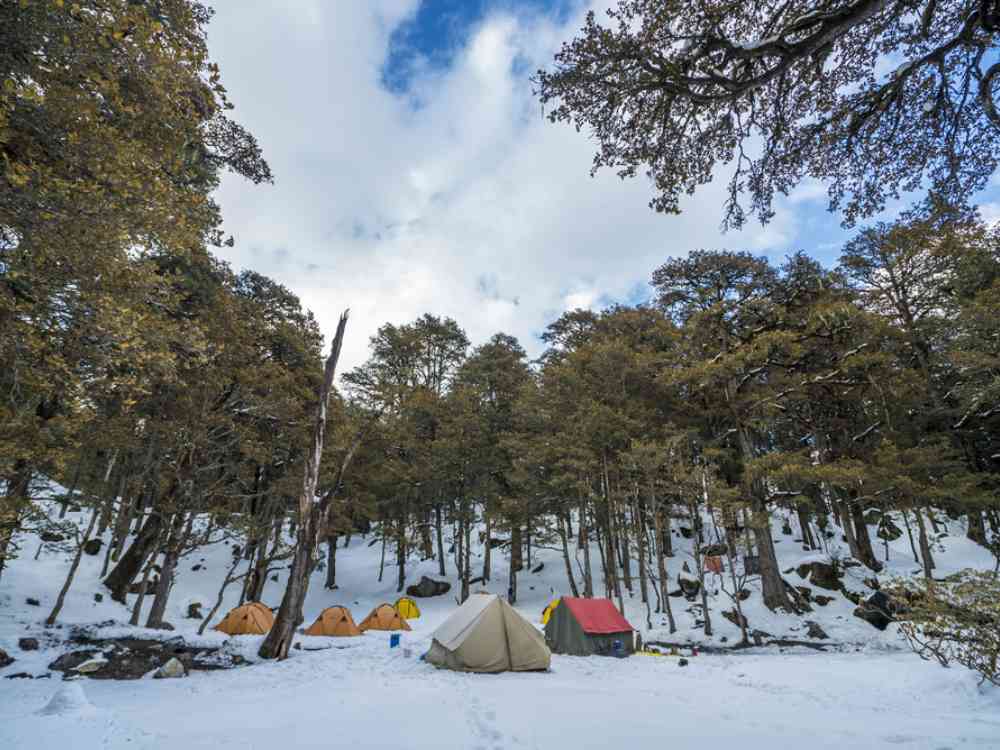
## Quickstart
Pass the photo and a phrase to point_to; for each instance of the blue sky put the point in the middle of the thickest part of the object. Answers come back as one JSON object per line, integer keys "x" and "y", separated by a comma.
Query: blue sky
{"x": 415, "y": 172}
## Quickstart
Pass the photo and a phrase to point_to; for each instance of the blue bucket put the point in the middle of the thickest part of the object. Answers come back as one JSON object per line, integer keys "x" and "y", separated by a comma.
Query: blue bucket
{"x": 393, "y": 640}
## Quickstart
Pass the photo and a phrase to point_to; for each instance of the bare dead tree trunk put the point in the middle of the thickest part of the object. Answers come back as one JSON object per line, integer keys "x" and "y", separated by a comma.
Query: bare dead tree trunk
{"x": 661, "y": 563}
{"x": 230, "y": 578}
{"x": 279, "y": 639}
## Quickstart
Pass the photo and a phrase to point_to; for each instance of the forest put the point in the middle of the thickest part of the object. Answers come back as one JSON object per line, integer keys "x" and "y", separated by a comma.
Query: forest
{"x": 179, "y": 402}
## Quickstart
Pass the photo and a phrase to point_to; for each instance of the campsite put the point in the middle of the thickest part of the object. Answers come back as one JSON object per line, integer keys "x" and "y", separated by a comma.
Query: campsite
{"x": 500, "y": 374}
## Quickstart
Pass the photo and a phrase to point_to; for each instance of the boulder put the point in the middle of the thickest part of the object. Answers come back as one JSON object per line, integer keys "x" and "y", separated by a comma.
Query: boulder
{"x": 5, "y": 659}
{"x": 735, "y": 618}
{"x": 824, "y": 575}
{"x": 690, "y": 586}
{"x": 27, "y": 644}
{"x": 877, "y": 610}
{"x": 428, "y": 587}
{"x": 91, "y": 665}
{"x": 888, "y": 530}
{"x": 815, "y": 631}
{"x": 822, "y": 600}
{"x": 173, "y": 668}
{"x": 194, "y": 611}
{"x": 93, "y": 546}
{"x": 72, "y": 659}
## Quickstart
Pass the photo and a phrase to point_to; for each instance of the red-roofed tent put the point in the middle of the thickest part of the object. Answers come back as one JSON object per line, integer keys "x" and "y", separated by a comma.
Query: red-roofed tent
{"x": 588, "y": 627}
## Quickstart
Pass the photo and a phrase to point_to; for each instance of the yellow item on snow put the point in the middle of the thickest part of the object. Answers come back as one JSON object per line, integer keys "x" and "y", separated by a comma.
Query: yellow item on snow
{"x": 549, "y": 608}
{"x": 407, "y": 608}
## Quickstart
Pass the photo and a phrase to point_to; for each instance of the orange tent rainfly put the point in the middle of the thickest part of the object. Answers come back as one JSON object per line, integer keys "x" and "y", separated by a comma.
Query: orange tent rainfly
{"x": 383, "y": 617}
{"x": 334, "y": 621}
{"x": 252, "y": 618}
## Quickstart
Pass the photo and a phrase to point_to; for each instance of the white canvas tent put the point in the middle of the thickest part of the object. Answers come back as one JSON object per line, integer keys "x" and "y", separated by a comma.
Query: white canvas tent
{"x": 485, "y": 634}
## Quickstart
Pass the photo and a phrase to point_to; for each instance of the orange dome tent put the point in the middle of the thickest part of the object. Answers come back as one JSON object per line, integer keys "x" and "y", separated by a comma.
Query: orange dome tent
{"x": 384, "y": 617}
{"x": 334, "y": 621}
{"x": 252, "y": 618}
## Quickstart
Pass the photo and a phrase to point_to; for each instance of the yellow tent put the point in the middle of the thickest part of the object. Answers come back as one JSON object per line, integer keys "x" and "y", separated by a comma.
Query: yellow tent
{"x": 407, "y": 608}
{"x": 253, "y": 618}
{"x": 383, "y": 617}
{"x": 335, "y": 621}
{"x": 547, "y": 612}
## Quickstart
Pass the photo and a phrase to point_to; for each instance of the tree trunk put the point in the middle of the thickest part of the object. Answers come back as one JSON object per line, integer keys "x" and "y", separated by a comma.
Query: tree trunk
{"x": 331, "y": 561}
{"x": 488, "y": 549}
{"x": 515, "y": 562}
{"x": 279, "y": 639}
{"x": 439, "y": 532}
{"x": 805, "y": 526}
{"x": 772, "y": 585}
{"x": 222, "y": 592}
{"x": 588, "y": 576}
{"x": 661, "y": 566}
{"x": 977, "y": 528}
{"x": 61, "y": 599}
{"x": 130, "y": 564}
{"x": 925, "y": 546}
{"x": 181, "y": 530}
{"x": 564, "y": 532}
{"x": 864, "y": 543}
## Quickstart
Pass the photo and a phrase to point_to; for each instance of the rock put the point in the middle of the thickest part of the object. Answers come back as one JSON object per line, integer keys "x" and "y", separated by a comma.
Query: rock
{"x": 428, "y": 587}
{"x": 822, "y": 600}
{"x": 28, "y": 644}
{"x": 297, "y": 646}
{"x": 743, "y": 594}
{"x": 686, "y": 532}
{"x": 815, "y": 631}
{"x": 92, "y": 665}
{"x": 873, "y": 583}
{"x": 5, "y": 659}
{"x": 93, "y": 546}
{"x": 20, "y": 676}
{"x": 196, "y": 568}
{"x": 275, "y": 578}
{"x": 877, "y": 610}
{"x": 735, "y": 618}
{"x": 682, "y": 662}
{"x": 690, "y": 587}
{"x": 538, "y": 568}
{"x": 888, "y": 530}
{"x": 71, "y": 660}
{"x": 786, "y": 529}
{"x": 32, "y": 602}
{"x": 98, "y": 598}
{"x": 51, "y": 536}
{"x": 805, "y": 592}
{"x": 173, "y": 668}
{"x": 194, "y": 611}
{"x": 138, "y": 588}
{"x": 824, "y": 575}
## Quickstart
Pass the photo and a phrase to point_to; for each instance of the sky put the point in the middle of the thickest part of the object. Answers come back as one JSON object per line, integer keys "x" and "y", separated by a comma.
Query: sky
{"x": 415, "y": 171}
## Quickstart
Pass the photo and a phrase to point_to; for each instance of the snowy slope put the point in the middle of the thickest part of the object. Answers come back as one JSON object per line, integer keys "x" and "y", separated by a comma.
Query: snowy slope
{"x": 873, "y": 693}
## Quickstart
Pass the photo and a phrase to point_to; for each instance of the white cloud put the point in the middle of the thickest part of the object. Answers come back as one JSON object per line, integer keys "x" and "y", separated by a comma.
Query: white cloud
{"x": 470, "y": 205}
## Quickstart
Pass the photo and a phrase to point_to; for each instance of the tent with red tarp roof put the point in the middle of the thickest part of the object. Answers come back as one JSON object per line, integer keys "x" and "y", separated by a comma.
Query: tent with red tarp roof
{"x": 588, "y": 627}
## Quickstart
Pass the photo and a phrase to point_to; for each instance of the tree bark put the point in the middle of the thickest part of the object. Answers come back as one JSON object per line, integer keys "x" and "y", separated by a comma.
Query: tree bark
{"x": 439, "y": 532}
{"x": 180, "y": 532}
{"x": 564, "y": 538}
{"x": 279, "y": 639}
{"x": 863, "y": 541}
{"x": 925, "y": 546}
{"x": 130, "y": 564}
{"x": 61, "y": 599}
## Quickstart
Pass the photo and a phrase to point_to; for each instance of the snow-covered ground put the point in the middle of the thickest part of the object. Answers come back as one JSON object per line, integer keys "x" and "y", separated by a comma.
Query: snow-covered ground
{"x": 869, "y": 693}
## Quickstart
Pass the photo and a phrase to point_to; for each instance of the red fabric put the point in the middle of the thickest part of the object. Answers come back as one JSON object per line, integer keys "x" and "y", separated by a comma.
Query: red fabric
{"x": 597, "y": 616}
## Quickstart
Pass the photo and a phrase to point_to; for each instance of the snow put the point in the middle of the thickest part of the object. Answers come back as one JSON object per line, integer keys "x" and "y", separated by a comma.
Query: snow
{"x": 868, "y": 691}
